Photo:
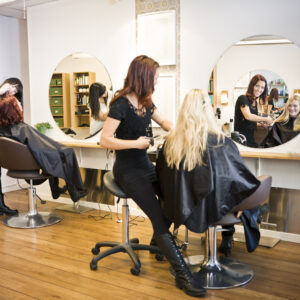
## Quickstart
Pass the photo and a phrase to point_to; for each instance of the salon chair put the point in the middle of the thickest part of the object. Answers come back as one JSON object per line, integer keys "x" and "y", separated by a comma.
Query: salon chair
{"x": 127, "y": 245}
{"x": 221, "y": 272}
{"x": 18, "y": 160}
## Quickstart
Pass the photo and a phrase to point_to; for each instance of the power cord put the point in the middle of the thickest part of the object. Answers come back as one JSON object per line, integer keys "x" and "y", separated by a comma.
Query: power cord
{"x": 107, "y": 215}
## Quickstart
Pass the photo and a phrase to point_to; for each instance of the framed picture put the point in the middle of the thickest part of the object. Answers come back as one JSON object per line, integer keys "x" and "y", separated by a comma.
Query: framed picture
{"x": 164, "y": 97}
{"x": 157, "y": 36}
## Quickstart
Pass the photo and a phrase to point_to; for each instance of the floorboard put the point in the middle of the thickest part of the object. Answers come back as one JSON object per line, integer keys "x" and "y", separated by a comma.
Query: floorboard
{"x": 53, "y": 262}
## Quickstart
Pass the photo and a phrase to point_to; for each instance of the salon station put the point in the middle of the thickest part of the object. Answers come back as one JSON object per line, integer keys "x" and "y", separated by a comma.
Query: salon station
{"x": 59, "y": 48}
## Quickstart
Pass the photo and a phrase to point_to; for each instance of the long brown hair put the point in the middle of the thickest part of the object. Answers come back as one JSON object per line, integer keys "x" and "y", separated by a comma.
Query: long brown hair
{"x": 140, "y": 80}
{"x": 273, "y": 95}
{"x": 251, "y": 85}
{"x": 10, "y": 111}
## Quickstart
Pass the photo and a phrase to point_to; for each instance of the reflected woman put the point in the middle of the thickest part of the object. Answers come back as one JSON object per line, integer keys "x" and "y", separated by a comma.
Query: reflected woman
{"x": 98, "y": 104}
{"x": 246, "y": 111}
{"x": 273, "y": 99}
{"x": 286, "y": 126}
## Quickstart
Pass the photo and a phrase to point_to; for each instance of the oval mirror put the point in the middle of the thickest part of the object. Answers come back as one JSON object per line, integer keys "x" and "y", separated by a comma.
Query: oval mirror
{"x": 69, "y": 96}
{"x": 278, "y": 61}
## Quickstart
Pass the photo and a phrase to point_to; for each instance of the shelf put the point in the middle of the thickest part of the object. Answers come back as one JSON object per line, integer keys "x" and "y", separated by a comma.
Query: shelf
{"x": 60, "y": 83}
{"x": 81, "y": 80}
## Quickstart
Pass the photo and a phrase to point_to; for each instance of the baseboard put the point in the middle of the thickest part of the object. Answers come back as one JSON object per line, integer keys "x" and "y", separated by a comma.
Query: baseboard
{"x": 116, "y": 208}
{"x": 284, "y": 236}
{"x": 10, "y": 188}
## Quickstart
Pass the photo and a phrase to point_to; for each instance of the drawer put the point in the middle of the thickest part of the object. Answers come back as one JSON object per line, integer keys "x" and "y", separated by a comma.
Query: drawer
{"x": 56, "y": 110}
{"x": 59, "y": 81}
{"x": 59, "y": 122}
{"x": 53, "y": 81}
{"x": 55, "y": 91}
{"x": 56, "y": 101}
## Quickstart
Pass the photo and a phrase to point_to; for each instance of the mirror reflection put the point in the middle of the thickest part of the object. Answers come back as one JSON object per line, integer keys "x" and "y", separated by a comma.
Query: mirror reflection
{"x": 251, "y": 88}
{"x": 78, "y": 95}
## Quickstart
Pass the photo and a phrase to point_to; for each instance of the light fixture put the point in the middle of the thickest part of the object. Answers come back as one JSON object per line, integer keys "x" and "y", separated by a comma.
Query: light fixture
{"x": 224, "y": 97}
{"x": 79, "y": 55}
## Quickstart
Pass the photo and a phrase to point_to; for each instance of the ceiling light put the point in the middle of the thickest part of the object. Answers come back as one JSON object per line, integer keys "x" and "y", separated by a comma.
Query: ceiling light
{"x": 264, "y": 42}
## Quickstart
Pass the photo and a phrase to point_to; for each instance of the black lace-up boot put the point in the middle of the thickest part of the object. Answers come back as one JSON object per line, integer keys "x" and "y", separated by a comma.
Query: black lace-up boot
{"x": 183, "y": 277}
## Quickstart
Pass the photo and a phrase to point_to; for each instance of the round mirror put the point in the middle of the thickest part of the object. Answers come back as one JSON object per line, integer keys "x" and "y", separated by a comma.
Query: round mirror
{"x": 71, "y": 103}
{"x": 244, "y": 102}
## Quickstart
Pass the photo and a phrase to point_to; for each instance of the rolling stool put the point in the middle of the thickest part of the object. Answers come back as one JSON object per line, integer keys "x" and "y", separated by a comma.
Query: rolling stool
{"x": 126, "y": 245}
{"x": 18, "y": 160}
{"x": 221, "y": 272}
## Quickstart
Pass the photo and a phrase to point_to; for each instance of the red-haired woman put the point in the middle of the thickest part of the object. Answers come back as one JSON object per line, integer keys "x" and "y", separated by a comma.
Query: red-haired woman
{"x": 125, "y": 130}
{"x": 246, "y": 112}
{"x": 11, "y": 86}
{"x": 54, "y": 159}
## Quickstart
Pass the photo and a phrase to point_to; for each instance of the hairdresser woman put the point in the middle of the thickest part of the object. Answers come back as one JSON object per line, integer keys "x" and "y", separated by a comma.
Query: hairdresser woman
{"x": 129, "y": 117}
{"x": 246, "y": 112}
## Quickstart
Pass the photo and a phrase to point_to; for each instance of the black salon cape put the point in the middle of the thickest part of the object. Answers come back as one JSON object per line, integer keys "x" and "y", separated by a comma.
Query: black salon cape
{"x": 54, "y": 158}
{"x": 201, "y": 197}
{"x": 279, "y": 134}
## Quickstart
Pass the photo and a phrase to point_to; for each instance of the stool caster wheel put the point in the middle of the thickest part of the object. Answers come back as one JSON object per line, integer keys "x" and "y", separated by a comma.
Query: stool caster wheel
{"x": 159, "y": 257}
{"x": 93, "y": 266}
{"x": 95, "y": 251}
{"x": 135, "y": 271}
{"x": 134, "y": 241}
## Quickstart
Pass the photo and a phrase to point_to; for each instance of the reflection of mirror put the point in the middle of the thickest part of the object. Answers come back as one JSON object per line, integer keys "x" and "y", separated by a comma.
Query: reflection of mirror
{"x": 69, "y": 92}
{"x": 277, "y": 59}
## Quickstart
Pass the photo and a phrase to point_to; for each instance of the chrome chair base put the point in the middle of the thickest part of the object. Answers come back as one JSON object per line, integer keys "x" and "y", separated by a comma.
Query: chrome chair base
{"x": 25, "y": 220}
{"x": 226, "y": 273}
{"x": 74, "y": 208}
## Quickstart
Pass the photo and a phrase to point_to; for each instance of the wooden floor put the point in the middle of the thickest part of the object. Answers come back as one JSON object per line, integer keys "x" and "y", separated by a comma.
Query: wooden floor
{"x": 53, "y": 263}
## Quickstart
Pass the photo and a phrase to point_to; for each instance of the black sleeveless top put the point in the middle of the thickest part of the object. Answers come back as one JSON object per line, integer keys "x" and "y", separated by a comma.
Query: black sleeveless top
{"x": 132, "y": 125}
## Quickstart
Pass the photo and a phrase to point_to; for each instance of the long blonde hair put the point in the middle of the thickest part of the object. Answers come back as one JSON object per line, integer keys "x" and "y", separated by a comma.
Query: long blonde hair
{"x": 285, "y": 116}
{"x": 188, "y": 141}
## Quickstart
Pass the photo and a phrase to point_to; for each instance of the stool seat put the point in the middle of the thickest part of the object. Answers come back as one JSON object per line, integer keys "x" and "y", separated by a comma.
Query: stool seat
{"x": 112, "y": 186}
{"x": 127, "y": 245}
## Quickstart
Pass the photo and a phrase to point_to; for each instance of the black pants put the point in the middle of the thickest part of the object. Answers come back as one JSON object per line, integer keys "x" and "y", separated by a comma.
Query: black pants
{"x": 136, "y": 176}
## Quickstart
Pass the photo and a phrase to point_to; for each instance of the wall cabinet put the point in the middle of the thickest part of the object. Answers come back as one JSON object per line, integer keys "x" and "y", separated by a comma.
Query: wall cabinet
{"x": 81, "y": 83}
{"x": 59, "y": 98}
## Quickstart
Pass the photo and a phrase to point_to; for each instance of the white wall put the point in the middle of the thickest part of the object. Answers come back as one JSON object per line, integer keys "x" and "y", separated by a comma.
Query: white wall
{"x": 210, "y": 27}
{"x": 14, "y": 55}
{"x": 104, "y": 29}
{"x": 14, "y": 63}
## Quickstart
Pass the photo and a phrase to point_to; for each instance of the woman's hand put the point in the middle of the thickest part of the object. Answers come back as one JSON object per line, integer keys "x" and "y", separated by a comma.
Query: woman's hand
{"x": 142, "y": 142}
{"x": 269, "y": 120}
{"x": 8, "y": 89}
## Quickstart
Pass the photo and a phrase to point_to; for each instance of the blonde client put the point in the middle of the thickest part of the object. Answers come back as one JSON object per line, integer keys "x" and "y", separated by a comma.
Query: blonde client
{"x": 201, "y": 173}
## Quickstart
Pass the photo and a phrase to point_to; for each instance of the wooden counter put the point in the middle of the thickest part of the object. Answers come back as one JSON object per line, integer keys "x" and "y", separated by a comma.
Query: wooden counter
{"x": 283, "y": 167}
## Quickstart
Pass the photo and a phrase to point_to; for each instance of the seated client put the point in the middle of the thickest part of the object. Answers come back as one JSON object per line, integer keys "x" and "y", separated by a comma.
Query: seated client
{"x": 286, "y": 126}
{"x": 201, "y": 173}
{"x": 54, "y": 159}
